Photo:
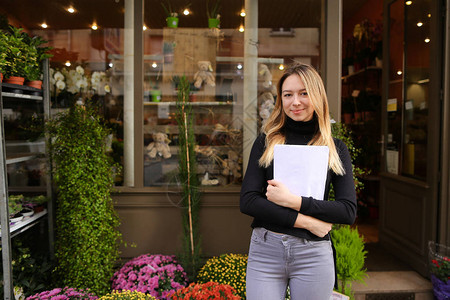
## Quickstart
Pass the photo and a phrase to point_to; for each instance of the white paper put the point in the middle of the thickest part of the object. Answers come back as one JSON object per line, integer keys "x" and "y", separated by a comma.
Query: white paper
{"x": 303, "y": 169}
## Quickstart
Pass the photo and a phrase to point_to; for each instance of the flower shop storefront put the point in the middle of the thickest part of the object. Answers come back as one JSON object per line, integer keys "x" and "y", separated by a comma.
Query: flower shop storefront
{"x": 132, "y": 70}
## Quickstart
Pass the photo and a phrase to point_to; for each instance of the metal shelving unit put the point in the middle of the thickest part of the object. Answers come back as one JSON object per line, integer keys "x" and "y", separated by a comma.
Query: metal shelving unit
{"x": 9, "y": 230}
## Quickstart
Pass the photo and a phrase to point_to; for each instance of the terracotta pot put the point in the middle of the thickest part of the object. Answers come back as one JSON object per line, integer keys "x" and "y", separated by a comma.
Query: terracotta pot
{"x": 15, "y": 80}
{"x": 1, "y": 77}
{"x": 35, "y": 83}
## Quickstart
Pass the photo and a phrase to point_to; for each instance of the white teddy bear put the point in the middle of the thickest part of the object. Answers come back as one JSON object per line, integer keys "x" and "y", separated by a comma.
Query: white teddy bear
{"x": 265, "y": 80}
{"x": 204, "y": 74}
{"x": 159, "y": 146}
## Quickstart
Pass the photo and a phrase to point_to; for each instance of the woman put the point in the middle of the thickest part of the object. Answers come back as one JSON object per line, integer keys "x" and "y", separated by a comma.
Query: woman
{"x": 290, "y": 244}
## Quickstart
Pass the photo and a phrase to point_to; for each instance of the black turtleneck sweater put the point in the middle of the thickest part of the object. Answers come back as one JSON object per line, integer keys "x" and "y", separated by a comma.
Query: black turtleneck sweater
{"x": 281, "y": 219}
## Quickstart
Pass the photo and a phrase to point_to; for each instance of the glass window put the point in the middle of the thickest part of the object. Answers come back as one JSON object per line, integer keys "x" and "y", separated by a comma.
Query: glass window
{"x": 211, "y": 56}
{"x": 407, "y": 103}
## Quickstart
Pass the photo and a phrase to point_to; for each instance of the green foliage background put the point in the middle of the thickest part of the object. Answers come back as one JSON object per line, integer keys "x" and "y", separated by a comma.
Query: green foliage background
{"x": 87, "y": 239}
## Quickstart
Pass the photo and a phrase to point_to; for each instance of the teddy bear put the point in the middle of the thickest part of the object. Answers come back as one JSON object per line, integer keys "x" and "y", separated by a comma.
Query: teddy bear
{"x": 265, "y": 80}
{"x": 159, "y": 146}
{"x": 204, "y": 74}
{"x": 231, "y": 165}
{"x": 265, "y": 109}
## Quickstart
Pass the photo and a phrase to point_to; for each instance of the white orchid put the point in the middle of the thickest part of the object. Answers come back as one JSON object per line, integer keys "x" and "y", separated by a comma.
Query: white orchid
{"x": 58, "y": 76}
{"x": 60, "y": 85}
{"x": 80, "y": 70}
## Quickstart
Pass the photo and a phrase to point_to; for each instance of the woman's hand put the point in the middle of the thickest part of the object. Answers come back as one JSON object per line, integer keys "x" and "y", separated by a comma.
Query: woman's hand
{"x": 279, "y": 194}
{"x": 315, "y": 226}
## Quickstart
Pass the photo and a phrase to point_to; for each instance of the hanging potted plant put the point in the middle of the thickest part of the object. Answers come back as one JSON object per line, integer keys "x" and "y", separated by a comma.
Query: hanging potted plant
{"x": 172, "y": 17}
{"x": 213, "y": 14}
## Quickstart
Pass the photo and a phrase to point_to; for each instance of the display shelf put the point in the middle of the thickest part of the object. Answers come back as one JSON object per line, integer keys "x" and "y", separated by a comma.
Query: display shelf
{"x": 19, "y": 158}
{"x": 22, "y": 96}
{"x": 26, "y": 223}
{"x": 173, "y": 103}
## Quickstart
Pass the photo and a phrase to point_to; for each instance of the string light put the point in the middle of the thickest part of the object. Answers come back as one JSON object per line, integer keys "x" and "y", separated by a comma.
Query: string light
{"x": 44, "y": 25}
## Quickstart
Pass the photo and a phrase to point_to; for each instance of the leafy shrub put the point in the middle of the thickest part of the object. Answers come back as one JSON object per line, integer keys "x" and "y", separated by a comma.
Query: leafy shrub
{"x": 350, "y": 257}
{"x": 87, "y": 236}
{"x": 126, "y": 295}
{"x": 227, "y": 269}
{"x": 209, "y": 290}
{"x": 64, "y": 294}
{"x": 153, "y": 274}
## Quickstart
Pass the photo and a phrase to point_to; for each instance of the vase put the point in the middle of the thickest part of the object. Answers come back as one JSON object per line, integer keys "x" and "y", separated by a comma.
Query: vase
{"x": 35, "y": 83}
{"x": 15, "y": 80}
{"x": 172, "y": 22}
{"x": 441, "y": 290}
{"x": 213, "y": 23}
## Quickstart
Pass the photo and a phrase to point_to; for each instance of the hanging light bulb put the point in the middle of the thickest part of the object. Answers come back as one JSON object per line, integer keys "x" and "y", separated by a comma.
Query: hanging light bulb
{"x": 71, "y": 9}
{"x": 94, "y": 26}
{"x": 68, "y": 64}
{"x": 242, "y": 13}
{"x": 241, "y": 28}
{"x": 44, "y": 25}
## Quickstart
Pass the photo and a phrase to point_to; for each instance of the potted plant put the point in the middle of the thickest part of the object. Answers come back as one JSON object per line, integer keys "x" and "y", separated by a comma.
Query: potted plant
{"x": 19, "y": 56}
{"x": 156, "y": 275}
{"x": 15, "y": 205}
{"x": 213, "y": 14}
{"x": 229, "y": 269}
{"x": 33, "y": 76}
{"x": 172, "y": 16}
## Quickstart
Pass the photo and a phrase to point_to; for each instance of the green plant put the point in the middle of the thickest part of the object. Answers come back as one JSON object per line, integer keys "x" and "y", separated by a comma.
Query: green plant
{"x": 3, "y": 52}
{"x": 213, "y": 11}
{"x": 35, "y": 43}
{"x": 15, "y": 204}
{"x": 87, "y": 238}
{"x": 126, "y": 295}
{"x": 168, "y": 9}
{"x": 209, "y": 290}
{"x": 226, "y": 269}
{"x": 19, "y": 55}
{"x": 350, "y": 257}
{"x": 190, "y": 257}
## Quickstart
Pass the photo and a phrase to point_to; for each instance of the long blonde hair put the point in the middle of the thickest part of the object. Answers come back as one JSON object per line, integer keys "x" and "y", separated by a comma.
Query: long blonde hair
{"x": 318, "y": 98}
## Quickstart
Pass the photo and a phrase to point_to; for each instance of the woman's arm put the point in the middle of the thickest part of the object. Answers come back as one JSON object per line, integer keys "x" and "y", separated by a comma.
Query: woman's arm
{"x": 315, "y": 226}
{"x": 253, "y": 201}
{"x": 341, "y": 211}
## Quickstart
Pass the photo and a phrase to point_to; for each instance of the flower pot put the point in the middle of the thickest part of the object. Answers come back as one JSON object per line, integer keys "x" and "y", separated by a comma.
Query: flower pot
{"x": 213, "y": 23}
{"x": 172, "y": 22}
{"x": 35, "y": 83}
{"x": 15, "y": 80}
{"x": 1, "y": 77}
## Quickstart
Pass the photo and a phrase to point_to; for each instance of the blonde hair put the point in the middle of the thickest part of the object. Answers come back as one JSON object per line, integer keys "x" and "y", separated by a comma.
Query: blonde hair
{"x": 318, "y": 98}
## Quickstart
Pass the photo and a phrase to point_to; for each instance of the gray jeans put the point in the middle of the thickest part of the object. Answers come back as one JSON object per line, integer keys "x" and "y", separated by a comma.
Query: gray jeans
{"x": 278, "y": 260}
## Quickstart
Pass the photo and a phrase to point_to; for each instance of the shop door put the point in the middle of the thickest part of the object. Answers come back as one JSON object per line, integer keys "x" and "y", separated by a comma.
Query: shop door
{"x": 411, "y": 128}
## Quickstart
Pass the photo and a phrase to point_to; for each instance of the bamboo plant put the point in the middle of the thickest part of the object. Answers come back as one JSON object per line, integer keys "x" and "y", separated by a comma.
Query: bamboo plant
{"x": 190, "y": 257}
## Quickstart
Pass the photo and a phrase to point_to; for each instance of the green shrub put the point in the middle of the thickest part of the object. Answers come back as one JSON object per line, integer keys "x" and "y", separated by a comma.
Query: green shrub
{"x": 87, "y": 238}
{"x": 350, "y": 257}
{"x": 228, "y": 269}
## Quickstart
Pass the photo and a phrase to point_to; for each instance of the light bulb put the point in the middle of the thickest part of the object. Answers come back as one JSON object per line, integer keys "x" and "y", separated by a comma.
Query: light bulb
{"x": 44, "y": 25}
{"x": 242, "y": 13}
{"x": 94, "y": 26}
{"x": 144, "y": 28}
{"x": 186, "y": 12}
{"x": 427, "y": 40}
{"x": 241, "y": 28}
{"x": 71, "y": 10}
{"x": 281, "y": 67}
{"x": 408, "y": 2}
{"x": 419, "y": 24}
{"x": 154, "y": 65}
{"x": 399, "y": 72}
{"x": 239, "y": 66}
{"x": 68, "y": 64}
